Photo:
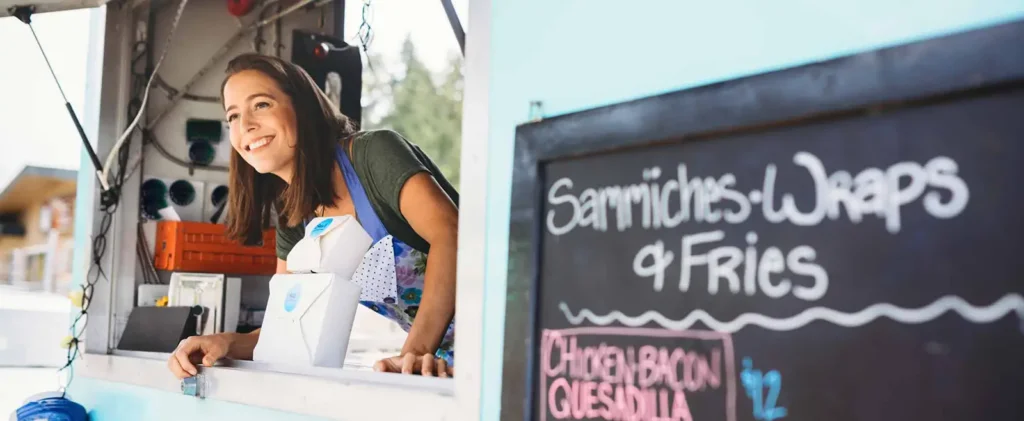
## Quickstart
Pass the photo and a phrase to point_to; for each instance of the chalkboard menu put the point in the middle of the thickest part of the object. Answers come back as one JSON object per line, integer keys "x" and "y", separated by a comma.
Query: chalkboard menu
{"x": 857, "y": 264}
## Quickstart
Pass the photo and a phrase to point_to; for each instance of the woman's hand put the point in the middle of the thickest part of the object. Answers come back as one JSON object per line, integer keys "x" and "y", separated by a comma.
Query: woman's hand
{"x": 410, "y": 363}
{"x": 206, "y": 349}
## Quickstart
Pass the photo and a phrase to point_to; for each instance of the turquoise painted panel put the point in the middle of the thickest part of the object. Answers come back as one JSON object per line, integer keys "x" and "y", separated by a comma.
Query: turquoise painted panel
{"x": 86, "y": 177}
{"x": 579, "y": 54}
{"x": 108, "y": 401}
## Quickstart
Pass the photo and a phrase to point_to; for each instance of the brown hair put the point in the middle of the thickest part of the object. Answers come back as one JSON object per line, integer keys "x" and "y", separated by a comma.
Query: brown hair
{"x": 320, "y": 127}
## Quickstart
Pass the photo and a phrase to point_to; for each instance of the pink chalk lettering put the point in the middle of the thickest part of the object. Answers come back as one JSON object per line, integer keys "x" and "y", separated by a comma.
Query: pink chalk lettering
{"x": 673, "y": 377}
{"x": 550, "y": 340}
{"x": 572, "y": 354}
{"x": 628, "y": 365}
{"x": 680, "y": 408}
{"x": 588, "y": 392}
{"x": 689, "y": 380}
{"x": 663, "y": 411}
{"x": 586, "y": 363}
{"x": 636, "y": 402}
{"x": 604, "y": 395}
{"x": 713, "y": 373}
{"x": 647, "y": 372}
{"x": 651, "y": 407}
{"x": 566, "y": 407}
{"x": 577, "y": 402}
{"x": 609, "y": 362}
{"x": 621, "y": 405}
{"x": 645, "y": 383}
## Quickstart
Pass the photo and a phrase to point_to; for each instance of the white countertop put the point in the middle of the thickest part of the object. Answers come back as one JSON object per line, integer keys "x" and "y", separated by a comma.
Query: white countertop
{"x": 318, "y": 392}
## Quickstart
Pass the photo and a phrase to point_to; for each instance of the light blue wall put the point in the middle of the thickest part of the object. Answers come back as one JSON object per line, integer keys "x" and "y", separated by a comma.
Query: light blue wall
{"x": 107, "y": 401}
{"x": 567, "y": 52}
{"x": 84, "y": 196}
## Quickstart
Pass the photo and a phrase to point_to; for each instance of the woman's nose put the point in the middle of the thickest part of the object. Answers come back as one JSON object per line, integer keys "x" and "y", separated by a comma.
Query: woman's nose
{"x": 247, "y": 123}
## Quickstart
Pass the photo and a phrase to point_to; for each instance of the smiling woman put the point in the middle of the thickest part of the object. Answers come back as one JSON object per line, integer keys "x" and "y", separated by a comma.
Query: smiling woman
{"x": 295, "y": 153}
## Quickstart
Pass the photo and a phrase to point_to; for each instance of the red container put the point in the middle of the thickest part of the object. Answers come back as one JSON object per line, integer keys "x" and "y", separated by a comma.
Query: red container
{"x": 204, "y": 247}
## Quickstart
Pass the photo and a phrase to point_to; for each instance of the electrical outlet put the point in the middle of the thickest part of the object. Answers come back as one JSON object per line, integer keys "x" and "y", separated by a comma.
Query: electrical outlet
{"x": 141, "y": 31}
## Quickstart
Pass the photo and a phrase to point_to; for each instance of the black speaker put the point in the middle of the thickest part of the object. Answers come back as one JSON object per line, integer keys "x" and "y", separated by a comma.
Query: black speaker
{"x": 335, "y": 66}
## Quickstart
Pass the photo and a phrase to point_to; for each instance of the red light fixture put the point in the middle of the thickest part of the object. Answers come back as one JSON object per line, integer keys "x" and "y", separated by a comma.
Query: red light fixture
{"x": 321, "y": 50}
{"x": 240, "y": 8}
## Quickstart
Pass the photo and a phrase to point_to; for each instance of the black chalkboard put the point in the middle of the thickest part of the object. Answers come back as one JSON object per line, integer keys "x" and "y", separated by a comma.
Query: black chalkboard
{"x": 853, "y": 255}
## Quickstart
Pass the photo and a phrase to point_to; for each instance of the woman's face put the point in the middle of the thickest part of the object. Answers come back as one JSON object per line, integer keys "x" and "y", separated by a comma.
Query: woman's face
{"x": 262, "y": 121}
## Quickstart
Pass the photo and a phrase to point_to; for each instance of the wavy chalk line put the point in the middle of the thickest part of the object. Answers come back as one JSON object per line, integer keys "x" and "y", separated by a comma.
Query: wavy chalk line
{"x": 985, "y": 314}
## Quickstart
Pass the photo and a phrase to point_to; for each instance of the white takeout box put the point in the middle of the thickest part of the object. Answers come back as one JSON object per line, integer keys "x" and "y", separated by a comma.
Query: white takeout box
{"x": 310, "y": 311}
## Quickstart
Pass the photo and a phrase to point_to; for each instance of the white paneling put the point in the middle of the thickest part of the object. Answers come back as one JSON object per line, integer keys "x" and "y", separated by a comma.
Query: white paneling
{"x": 469, "y": 384}
{"x": 46, "y": 6}
{"x": 204, "y": 28}
{"x": 101, "y": 318}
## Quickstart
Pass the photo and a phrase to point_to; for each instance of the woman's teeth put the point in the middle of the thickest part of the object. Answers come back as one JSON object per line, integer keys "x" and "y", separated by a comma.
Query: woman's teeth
{"x": 259, "y": 144}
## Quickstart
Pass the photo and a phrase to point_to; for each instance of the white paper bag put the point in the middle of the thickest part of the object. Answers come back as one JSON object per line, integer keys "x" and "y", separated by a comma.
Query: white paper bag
{"x": 310, "y": 311}
{"x": 332, "y": 244}
{"x": 308, "y": 320}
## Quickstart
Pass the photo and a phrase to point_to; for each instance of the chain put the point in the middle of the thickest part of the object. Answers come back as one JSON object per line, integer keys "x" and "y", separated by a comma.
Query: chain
{"x": 365, "y": 32}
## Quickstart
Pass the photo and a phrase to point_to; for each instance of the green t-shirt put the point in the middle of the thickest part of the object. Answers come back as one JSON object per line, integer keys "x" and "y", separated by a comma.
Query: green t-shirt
{"x": 384, "y": 161}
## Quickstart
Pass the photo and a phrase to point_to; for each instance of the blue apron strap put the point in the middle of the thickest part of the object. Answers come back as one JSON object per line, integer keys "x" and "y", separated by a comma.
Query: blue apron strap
{"x": 364, "y": 210}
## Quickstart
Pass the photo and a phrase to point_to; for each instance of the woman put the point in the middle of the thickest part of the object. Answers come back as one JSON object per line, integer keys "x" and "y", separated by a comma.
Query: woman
{"x": 295, "y": 152}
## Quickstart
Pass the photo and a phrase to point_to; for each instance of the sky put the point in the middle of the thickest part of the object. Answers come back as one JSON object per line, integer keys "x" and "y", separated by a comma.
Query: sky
{"x": 35, "y": 129}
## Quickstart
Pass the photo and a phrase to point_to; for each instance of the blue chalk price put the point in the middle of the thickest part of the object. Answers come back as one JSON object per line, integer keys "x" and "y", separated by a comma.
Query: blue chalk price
{"x": 756, "y": 383}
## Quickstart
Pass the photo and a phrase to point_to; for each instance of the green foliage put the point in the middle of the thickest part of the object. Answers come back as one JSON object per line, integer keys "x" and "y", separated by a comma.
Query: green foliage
{"x": 426, "y": 111}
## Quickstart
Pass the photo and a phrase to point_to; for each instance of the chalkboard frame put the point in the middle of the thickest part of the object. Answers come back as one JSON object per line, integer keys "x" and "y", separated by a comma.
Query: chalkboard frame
{"x": 942, "y": 68}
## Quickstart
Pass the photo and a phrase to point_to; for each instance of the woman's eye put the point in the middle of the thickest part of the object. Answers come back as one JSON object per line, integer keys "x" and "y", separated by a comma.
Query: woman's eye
{"x": 262, "y": 104}
{"x": 232, "y": 117}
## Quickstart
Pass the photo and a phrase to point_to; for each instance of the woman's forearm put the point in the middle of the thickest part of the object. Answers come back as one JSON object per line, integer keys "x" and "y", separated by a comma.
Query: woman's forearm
{"x": 243, "y": 344}
{"x": 437, "y": 304}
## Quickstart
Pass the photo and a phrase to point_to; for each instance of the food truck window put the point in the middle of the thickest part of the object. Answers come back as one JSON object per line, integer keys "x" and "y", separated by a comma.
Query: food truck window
{"x": 172, "y": 208}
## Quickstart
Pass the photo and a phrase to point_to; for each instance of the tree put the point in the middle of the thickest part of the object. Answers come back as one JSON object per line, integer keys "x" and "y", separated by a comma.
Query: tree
{"x": 427, "y": 113}
{"x": 376, "y": 91}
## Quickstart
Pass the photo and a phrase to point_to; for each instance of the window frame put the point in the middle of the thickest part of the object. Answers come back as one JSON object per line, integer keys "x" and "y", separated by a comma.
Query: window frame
{"x": 246, "y": 382}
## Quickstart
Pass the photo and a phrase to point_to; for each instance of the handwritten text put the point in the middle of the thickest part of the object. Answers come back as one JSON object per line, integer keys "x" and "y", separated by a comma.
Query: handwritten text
{"x": 670, "y": 202}
{"x": 613, "y": 382}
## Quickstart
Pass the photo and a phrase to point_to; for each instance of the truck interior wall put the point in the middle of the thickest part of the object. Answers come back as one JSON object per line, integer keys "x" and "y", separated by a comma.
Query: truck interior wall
{"x": 204, "y": 27}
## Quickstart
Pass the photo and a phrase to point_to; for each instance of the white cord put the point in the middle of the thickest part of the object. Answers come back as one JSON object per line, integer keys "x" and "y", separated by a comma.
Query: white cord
{"x": 145, "y": 97}
{"x": 224, "y": 50}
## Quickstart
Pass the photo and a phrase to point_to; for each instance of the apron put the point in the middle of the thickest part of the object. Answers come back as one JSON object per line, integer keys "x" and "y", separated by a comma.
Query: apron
{"x": 391, "y": 274}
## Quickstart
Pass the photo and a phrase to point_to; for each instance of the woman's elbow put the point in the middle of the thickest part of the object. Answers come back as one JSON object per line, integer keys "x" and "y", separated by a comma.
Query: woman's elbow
{"x": 448, "y": 235}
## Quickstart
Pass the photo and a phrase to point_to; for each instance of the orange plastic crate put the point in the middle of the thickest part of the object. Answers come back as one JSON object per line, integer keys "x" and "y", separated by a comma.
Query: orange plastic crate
{"x": 204, "y": 247}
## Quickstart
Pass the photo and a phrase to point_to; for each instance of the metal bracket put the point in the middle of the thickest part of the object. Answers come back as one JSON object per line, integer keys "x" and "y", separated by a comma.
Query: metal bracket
{"x": 195, "y": 386}
{"x": 23, "y": 13}
{"x": 453, "y": 19}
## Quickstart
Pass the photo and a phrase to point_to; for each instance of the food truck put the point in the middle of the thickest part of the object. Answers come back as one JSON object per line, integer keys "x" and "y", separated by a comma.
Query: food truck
{"x": 666, "y": 208}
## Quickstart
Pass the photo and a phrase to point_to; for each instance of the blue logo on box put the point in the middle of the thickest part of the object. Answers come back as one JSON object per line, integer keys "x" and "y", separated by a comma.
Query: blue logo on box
{"x": 319, "y": 228}
{"x": 291, "y": 300}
